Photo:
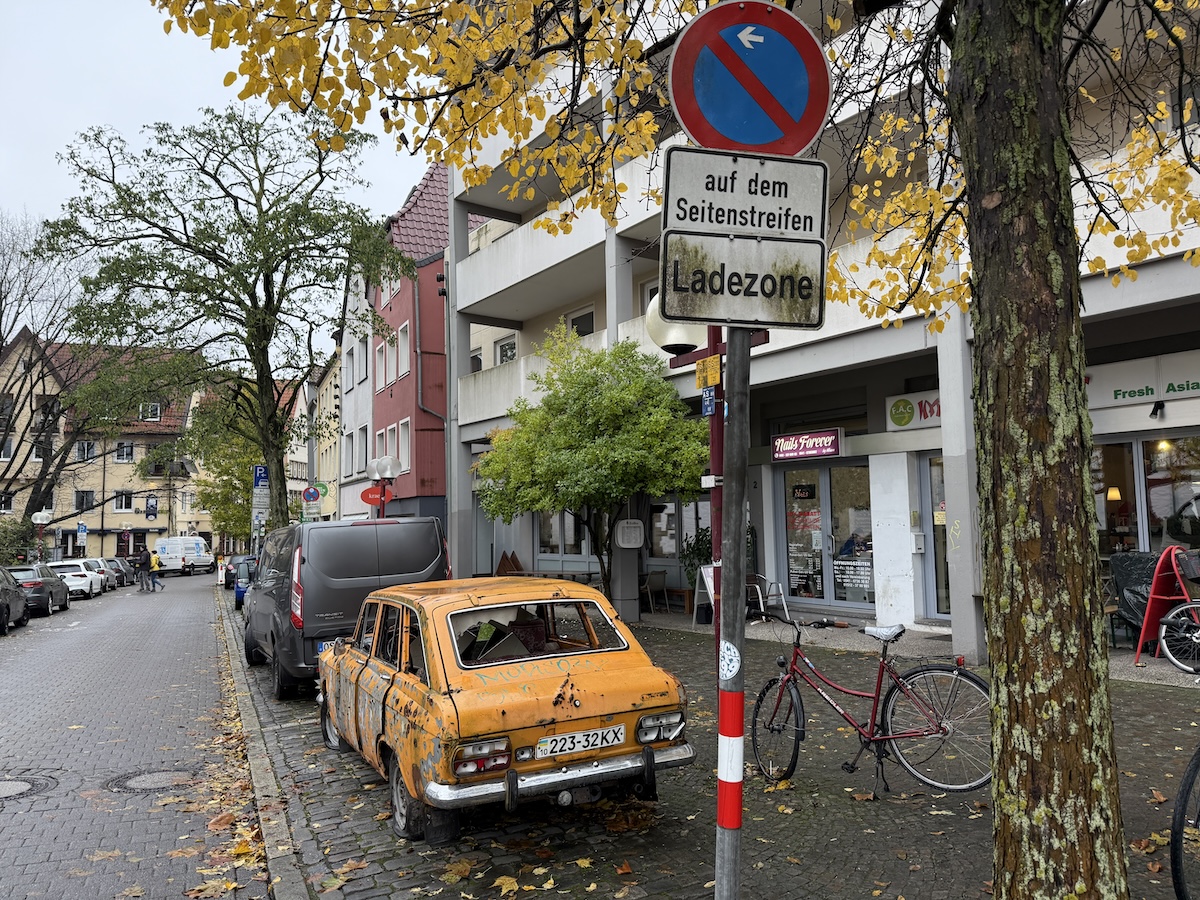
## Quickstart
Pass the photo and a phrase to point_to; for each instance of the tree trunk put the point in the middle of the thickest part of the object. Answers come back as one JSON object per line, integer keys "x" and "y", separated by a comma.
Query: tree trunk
{"x": 1057, "y": 816}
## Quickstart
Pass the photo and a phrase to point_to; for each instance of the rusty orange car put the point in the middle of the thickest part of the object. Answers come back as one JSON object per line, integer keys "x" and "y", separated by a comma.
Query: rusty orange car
{"x": 498, "y": 690}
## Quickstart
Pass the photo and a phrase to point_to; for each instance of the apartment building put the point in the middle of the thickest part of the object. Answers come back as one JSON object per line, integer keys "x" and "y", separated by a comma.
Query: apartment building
{"x": 884, "y": 526}
{"x": 83, "y": 469}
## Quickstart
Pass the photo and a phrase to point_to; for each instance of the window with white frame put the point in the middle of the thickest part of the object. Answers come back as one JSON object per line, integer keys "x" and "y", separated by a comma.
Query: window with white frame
{"x": 403, "y": 446}
{"x": 84, "y": 500}
{"x": 6, "y": 448}
{"x": 6, "y": 502}
{"x": 391, "y": 361}
{"x": 360, "y": 373}
{"x": 583, "y": 322}
{"x": 348, "y": 453}
{"x": 124, "y": 452}
{"x": 477, "y": 359}
{"x": 362, "y": 448}
{"x": 348, "y": 369}
{"x": 85, "y": 450}
{"x": 391, "y": 440}
{"x": 380, "y": 443}
{"x": 649, "y": 292}
{"x": 506, "y": 349}
{"x": 381, "y": 373}
{"x": 48, "y": 502}
{"x": 403, "y": 365}
{"x": 150, "y": 412}
{"x": 123, "y": 501}
{"x": 43, "y": 447}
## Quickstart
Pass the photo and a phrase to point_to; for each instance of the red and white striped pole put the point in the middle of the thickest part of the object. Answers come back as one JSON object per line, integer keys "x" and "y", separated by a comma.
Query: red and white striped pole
{"x": 731, "y": 703}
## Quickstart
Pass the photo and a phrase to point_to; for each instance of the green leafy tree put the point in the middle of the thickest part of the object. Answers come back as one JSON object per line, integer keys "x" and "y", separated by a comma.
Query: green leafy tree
{"x": 227, "y": 239}
{"x": 607, "y": 428}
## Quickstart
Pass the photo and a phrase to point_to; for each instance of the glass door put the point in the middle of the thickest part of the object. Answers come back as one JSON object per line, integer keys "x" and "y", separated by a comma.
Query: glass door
{"x": 803, "y": 533}
{"x": 937, "y": 567}
{"x": 850, "y": 531}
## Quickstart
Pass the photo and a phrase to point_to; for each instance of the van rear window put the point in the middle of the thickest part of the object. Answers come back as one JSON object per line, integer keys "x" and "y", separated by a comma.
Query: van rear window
{"x": 358, "y": 551}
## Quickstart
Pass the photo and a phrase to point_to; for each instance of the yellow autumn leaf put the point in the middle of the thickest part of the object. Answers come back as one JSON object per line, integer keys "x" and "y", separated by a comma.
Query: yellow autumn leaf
{"x": 584, "y": 862}
{"x": 507, "y": 885}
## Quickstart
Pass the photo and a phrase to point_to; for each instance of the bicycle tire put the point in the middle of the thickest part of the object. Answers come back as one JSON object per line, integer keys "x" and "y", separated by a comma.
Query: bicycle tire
{"x": 959, "y": 756}
{"x": 777, "y": 729}
{"x": 1179, "y": 637}
{"x": 1185, "y": 834}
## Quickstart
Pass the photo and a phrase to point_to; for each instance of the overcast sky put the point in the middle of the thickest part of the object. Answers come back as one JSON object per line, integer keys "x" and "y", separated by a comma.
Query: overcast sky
{"x": 72, "y": 64}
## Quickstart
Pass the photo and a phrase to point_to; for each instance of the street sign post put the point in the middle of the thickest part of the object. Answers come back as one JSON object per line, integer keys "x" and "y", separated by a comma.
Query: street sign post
{"x": 750, "y": 76}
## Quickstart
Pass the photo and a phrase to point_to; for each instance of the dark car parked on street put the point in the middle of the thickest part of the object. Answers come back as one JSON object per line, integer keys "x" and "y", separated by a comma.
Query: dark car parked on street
{"x": 44, "y": 590}
{"x": 124, "y": 571}
{"x": 13, "y": 609}
{"x": 231, "y": 564}
{"x": 312, "y": 579}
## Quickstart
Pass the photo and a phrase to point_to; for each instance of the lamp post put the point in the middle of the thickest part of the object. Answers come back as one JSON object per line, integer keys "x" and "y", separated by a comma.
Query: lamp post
{"x": 382, "y": 471}
{"x": 41, "y": 520}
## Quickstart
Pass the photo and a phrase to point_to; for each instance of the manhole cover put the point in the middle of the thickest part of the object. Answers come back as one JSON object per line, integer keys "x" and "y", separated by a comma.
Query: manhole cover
{"x": 149, "y": 782}
{"x": 14, "y": 786}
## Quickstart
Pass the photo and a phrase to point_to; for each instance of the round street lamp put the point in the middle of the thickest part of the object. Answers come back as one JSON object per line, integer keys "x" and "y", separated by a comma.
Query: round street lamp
{"x": 41, "y": 520}
{"x": 382, "y": 471}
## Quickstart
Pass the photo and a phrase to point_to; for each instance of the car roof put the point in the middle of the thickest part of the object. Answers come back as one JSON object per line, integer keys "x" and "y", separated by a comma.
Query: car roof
{"x": 465, "y": 593}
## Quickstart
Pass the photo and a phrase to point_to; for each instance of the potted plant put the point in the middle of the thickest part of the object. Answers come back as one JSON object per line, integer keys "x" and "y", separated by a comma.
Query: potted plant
{"x": 695, "y": 551}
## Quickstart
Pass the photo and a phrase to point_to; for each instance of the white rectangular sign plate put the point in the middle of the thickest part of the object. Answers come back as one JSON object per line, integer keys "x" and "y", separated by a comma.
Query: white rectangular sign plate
{"x": 743, "y": 280}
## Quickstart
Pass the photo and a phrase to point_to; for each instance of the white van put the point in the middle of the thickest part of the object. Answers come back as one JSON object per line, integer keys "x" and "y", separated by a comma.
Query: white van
{"x": 184, "y": 555}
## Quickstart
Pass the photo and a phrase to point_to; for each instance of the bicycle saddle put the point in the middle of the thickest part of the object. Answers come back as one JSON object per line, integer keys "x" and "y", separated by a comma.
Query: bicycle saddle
{"x": 887, "y": 633}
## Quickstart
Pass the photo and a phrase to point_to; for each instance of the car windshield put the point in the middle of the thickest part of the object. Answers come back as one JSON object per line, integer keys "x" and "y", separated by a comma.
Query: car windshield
{"x": 553, "y": 628}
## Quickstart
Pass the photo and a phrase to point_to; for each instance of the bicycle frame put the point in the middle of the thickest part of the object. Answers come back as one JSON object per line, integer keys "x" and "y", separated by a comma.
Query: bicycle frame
{"x": 869, "y": 733}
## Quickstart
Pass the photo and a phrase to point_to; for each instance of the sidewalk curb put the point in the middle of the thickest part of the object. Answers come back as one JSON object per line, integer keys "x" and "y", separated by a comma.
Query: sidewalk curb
{"x": 286, "y": 881}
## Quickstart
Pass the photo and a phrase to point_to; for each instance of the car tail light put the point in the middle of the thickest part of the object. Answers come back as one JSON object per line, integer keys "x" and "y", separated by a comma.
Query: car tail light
{"x": 660, "y": 727}
{"x": 31, "y": 584}
{"x": 482, "y": 756}
{"x": 297, "y": 593}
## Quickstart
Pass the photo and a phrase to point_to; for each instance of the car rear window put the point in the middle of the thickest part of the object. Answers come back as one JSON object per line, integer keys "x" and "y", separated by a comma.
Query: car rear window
{"x": 487, "y": 635}
{"x": 68, "y": 567}
{"x": 23, "y": 573}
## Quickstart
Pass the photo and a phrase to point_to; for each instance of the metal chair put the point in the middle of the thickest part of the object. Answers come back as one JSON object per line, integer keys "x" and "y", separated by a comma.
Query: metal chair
{"x": 656, "y": 582}
{"x": 765, "y": 593}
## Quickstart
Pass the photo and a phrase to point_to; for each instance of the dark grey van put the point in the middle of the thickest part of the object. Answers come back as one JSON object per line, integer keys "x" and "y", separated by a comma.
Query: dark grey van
{"x": 313, "y": 577}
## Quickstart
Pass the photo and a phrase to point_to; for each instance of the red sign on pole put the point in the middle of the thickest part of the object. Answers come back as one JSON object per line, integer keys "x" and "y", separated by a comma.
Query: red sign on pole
{"x": 750, "y": 76}
{"x": 371, "y": 495}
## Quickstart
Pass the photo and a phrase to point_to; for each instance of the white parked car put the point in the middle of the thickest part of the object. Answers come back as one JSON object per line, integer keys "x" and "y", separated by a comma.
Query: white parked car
{"x": 81, "y": 580}
{"x": 108, "y": 574}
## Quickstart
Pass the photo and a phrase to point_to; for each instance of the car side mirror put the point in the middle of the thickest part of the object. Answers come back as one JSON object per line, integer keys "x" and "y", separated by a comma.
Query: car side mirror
{"x": 339, "y": 646}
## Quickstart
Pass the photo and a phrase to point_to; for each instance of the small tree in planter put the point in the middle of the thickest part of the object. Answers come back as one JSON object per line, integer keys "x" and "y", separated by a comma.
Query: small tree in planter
{"x": 695, "y": 551}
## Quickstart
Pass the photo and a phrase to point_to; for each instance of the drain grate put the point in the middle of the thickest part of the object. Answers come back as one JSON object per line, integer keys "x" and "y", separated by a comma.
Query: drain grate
{"x": 14, "y": 786}
{"x": 151, "y": 782}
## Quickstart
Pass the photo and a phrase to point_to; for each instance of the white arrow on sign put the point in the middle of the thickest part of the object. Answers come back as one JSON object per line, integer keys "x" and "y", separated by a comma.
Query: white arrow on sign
{"x": 748, "y": 37}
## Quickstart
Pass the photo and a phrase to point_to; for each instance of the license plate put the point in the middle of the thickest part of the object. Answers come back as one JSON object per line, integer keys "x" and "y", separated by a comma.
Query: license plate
{"x": 579, "y": 741}
{"x": 322, "y": 646}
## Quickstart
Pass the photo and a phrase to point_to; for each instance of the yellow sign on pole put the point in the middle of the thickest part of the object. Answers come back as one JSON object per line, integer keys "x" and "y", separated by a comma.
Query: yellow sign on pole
{"x": 708, "y": 371}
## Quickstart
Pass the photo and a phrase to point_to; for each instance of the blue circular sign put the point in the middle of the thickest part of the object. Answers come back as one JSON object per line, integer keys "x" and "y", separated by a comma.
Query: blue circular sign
{"x": 750, "y": 77}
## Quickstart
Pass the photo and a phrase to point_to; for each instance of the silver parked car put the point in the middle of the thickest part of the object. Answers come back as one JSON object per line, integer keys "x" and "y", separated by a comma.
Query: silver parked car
{"x": 106, "y": 572}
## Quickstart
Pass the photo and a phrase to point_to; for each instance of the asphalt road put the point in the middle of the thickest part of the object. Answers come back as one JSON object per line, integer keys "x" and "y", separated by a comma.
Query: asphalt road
{"x": 118, "y": 769}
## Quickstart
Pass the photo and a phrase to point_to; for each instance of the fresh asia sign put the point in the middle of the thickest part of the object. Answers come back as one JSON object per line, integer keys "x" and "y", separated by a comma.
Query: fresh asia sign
{"x": 811, "y": 445}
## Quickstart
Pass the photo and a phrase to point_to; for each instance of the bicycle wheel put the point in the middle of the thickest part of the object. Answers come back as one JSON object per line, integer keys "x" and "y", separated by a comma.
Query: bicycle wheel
{"x": 954, "y": 751}
{"x": 1185, "y": 834}
{"x": 1179, "y": 636}
{"x": 777, "y": 729}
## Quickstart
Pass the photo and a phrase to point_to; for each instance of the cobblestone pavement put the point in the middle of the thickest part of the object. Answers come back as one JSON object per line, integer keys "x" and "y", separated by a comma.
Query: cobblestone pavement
{"x": 817, "y": 838}
{"x": 109, "y": 727}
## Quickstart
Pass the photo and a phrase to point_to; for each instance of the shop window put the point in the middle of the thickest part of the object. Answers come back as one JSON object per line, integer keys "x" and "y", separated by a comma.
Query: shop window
{"x": 1115, "y": 498}
{"x": 1173, "y": 491}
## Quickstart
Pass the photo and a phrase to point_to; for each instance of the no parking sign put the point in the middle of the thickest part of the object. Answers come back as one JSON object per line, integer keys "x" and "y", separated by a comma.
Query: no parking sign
{"x": 750, "y": 76}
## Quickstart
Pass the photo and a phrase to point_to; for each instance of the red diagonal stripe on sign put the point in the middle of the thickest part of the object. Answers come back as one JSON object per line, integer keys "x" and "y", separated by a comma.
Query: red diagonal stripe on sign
{"x": 756, "y": 89}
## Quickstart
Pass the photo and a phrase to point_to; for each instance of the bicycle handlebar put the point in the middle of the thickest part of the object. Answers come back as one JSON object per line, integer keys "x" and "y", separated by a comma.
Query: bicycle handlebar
{"x": 797, "y": 624}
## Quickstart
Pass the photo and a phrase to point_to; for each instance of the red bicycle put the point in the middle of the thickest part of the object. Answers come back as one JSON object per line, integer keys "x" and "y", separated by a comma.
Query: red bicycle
{"x": 935, "y": 719}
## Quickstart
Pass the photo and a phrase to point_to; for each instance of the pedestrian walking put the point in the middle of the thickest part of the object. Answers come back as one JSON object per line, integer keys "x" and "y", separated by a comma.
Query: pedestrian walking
{"x": 144, "y": 571}
{"x": 155, "y": 566}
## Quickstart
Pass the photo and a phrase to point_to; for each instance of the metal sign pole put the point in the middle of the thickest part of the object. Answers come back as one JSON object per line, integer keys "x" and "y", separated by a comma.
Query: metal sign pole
{"x": 731, "y": 693}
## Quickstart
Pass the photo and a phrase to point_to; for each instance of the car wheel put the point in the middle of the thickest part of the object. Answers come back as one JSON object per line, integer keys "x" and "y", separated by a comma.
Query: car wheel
{"x": 24, "y": 620}
{"x": 91, "y": 590}
{"x": 253, "y": 657}
{"x": 66, "y": 604}
{"x": 49, "y": 604}
{"x": 408, "y": 814}
{"x": 4, "y": 619}
{"x": 281, "y": 686}
{"x": 188, "y": 571}
{"x": 329, "y": 731}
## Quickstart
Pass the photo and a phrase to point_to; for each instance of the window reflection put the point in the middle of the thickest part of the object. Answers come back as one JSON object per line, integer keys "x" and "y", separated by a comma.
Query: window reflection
{"x": 1173, "y": 491}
